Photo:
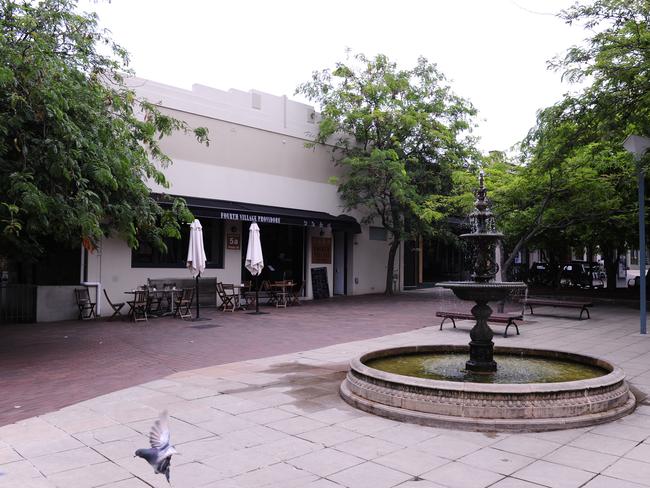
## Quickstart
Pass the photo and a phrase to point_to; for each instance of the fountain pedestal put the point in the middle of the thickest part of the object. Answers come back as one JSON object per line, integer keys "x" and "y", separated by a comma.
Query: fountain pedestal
{"x": 481, "y": 347}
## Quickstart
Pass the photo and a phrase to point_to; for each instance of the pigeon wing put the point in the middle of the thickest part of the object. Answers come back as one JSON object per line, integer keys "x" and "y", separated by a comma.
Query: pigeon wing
{"x": 159, "y": 435}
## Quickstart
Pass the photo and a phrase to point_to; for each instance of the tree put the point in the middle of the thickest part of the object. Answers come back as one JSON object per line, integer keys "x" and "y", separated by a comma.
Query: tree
{"x": 76, "y": 145}
{"x": 398, "y": 134}
{"x": 578, "y": 186}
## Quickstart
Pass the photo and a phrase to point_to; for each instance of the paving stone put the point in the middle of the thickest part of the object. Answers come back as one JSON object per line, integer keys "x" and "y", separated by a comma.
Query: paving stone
{"x": 129, "y": 483}
{"x": 63, "y": 461}
{"x": 527, "y": 446}
{"x": 368, "y": 424}
{"x": 222, "y": 423}
{"x": 630, "y": 470}
{"x": 448, "y": 447}
{"x": 193, "y": 474}
{"x": 277, "y": 475}
{"x": 495, "y": 460}
{"x": 605, "y": 444}
{"x": 640, "y": 452}
{"x": 266, "y": 415}
{"x": 553, "y": 475}
{"x": 514, "y": 483}
{"x": 296, "y": 425}
{"x": 325, "y": 462}
{"x": 601, "y": 481}
{"x": 581, "y": 459}
{"x": 407, "y": 434}
{"x": 329, "y": 436}
{"x": 411, "y": 461}
{"x": 622, "y": 431}
{"x": 369, "y": 475}
{"x": 8, "y": 455}
{"x": 90, "y": 476}
{"x": 458, "y": 475}
{"x": 367, "y": 447}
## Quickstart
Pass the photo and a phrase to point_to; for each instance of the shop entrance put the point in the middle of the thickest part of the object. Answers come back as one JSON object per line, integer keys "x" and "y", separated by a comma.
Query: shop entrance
{"x": 284, "y": 252}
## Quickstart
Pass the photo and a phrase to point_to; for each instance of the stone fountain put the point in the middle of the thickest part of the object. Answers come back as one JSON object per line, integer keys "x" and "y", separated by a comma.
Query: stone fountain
{"x": 531, "y": 390}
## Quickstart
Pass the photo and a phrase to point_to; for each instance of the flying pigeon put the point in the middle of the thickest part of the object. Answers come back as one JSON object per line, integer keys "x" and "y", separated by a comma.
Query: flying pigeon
{"x": 159, "y": 455}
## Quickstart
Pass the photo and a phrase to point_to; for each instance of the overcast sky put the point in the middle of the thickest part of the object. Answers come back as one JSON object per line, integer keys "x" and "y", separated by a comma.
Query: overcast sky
{"x": 494, "y": 52}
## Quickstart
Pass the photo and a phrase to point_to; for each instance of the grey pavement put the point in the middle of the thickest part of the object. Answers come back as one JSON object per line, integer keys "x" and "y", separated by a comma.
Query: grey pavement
{"x": 279, "y": 422}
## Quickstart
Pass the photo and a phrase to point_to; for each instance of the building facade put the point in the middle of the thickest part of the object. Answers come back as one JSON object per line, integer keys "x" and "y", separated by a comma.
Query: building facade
{"x": 257, "y": 168}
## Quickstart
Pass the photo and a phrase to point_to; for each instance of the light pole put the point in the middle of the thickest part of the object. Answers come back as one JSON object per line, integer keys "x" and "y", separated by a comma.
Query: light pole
{"x": 639, "y": 145}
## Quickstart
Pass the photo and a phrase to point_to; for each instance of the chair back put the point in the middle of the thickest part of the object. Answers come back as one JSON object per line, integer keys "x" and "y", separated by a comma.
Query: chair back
{"x": 140, "y": 297}
{"x": 108, "y": 300}
{"x": 81, "y": 295}
{"x": 220, "y": 290}
{"x": 188, "y": 294}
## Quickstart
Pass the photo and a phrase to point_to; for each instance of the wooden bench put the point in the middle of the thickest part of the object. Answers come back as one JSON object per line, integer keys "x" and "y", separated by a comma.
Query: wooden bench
{"x": 543, "y": 302}
{"x": 507, "y": 318}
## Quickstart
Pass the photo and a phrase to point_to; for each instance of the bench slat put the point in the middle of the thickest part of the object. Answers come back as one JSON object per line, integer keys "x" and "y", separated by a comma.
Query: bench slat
{"x": 504, "y": 318}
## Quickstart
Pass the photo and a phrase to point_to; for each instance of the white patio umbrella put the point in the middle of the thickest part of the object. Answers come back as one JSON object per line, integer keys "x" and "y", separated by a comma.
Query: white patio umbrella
{"x": 255, "y": 260}
{"x": 196, "y": 257}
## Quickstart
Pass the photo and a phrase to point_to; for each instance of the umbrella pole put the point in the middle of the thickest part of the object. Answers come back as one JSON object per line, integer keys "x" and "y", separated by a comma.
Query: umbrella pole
{"x": 257, "y": 298}
{"x": 196, "y": 293}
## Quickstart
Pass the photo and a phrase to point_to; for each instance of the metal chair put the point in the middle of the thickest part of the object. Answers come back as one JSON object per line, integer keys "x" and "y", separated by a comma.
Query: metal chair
{"x": 117, "y": 307}
{"x": 86, "y": 306}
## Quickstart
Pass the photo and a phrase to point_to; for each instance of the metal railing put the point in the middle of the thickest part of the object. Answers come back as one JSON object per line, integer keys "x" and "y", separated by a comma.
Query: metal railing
{"x": 17, "y": 303}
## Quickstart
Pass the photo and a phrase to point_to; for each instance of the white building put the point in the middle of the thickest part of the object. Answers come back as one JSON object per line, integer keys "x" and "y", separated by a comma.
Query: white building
{"x": 256, "y": 168}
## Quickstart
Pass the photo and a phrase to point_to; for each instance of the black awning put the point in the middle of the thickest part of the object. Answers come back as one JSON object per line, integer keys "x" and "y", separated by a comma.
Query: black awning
{"x": 264, "y": 214}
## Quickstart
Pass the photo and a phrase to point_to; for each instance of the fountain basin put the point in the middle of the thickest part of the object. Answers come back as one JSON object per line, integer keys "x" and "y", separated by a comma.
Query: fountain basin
{"x": 487, "y": 292}
{"x": 489, "y": 407}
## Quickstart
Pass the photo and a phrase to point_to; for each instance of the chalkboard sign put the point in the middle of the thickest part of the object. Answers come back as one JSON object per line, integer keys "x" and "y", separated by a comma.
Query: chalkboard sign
{"x": 319, "y": 285}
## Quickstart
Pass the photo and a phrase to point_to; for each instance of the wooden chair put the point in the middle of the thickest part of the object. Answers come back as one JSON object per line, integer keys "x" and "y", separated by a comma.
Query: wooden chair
{"x": 86, "y": 306}
{"x": 296, "y": 292}
{"x": 184, "y": 304}
{"x": 117, "y": 306}
{"x": 139, "y": 306}
{"x": 229, "y": 298}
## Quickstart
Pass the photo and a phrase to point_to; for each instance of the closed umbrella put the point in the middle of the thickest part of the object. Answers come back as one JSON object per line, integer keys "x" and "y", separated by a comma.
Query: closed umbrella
{"x": 255, "y": 260}
{"x": 196, "y": 258}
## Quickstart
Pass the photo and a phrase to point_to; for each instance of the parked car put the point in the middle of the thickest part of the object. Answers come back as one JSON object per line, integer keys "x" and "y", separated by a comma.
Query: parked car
{"x": 576, "y": 273}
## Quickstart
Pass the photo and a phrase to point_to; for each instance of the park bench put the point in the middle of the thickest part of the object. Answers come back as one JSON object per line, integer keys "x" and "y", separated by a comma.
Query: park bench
{"x": 544, "y": 302}
{"x": 507, "y": 318}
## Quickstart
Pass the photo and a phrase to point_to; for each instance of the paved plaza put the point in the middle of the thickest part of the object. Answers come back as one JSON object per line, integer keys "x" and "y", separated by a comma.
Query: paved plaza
{"x": 262, "y": 409}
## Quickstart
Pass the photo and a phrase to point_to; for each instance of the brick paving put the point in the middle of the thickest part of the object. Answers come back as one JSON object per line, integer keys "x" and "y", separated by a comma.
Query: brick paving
{"x": 278, "y": 422}
{"x": 50, "y": 365}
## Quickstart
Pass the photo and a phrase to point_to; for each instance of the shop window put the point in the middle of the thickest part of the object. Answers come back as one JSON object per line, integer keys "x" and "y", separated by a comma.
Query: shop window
{"x": 146, "y": 256}
{"x": 378, "y": 234}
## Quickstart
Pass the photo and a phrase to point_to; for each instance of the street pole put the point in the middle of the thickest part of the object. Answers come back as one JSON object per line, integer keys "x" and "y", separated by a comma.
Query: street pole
{"x": 638, "y": 146}
{"x": 642, "y": 295}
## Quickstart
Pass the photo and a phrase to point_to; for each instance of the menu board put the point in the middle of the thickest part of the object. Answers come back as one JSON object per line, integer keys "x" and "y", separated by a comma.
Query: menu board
{"x": 319, "y": 285}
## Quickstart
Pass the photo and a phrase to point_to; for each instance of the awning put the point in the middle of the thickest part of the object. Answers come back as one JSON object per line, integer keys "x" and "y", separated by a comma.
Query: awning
{"x": 264, "y": 214}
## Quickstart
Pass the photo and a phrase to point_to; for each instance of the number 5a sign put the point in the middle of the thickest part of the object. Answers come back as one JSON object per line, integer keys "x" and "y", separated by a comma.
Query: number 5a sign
{"x": 232, "y": 241}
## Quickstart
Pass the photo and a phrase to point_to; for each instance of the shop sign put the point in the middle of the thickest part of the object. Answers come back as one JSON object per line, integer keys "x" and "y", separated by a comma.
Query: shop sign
{"x": 232, "y": 241}
{"x": 262, "y": 219}
{"x": 321, "y": 250}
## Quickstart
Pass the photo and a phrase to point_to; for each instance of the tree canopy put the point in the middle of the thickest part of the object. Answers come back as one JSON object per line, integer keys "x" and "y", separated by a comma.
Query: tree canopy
{"x": 399, "y": 134}
{"x": 577, "y": 186}
{"x": 76, "y": 145}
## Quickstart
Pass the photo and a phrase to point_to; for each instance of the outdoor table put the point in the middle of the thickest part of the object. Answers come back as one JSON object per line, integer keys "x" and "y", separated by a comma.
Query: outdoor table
{"x": 279, "y": 289}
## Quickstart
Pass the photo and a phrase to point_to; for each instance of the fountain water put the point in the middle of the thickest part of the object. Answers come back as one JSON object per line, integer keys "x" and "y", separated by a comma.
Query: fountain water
{"x": 537, "y": 389}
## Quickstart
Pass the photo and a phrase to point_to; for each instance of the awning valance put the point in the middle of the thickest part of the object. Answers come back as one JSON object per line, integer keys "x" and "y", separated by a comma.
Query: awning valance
{"x": 264, "y": 214}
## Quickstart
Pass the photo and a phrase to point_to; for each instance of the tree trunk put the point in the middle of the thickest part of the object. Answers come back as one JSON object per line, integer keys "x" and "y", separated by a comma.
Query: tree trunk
{"x": 394, "y": 245}
{"x": 611, "y": 260}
